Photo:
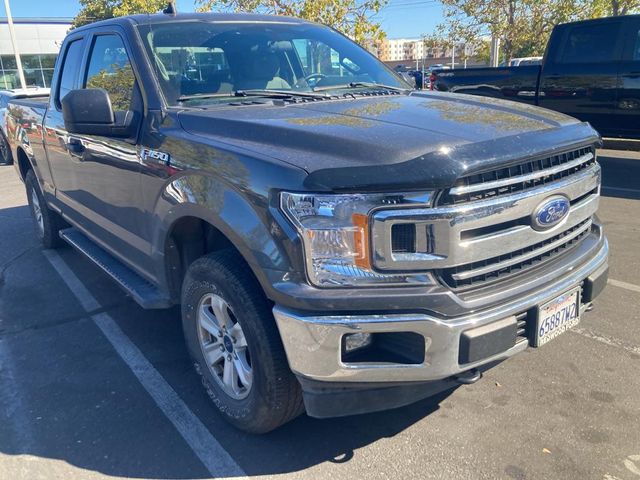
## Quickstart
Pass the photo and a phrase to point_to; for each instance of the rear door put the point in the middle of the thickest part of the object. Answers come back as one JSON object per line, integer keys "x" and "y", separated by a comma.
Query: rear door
{"x": 626, "y": 119}
{"x": 580, "y": 77}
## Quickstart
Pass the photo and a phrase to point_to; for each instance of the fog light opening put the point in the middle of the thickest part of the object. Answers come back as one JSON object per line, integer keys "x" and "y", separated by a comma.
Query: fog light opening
{"x": 356, "y": 341}
{"x": 383, "y": 348}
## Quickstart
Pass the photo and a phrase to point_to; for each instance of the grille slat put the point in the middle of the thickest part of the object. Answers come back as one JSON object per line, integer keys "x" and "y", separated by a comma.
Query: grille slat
{"x": 521, "y": 333}
{"x": 498, "y": 268}
{"x": 516, "y": 178}
{"x": 518, "y": 257}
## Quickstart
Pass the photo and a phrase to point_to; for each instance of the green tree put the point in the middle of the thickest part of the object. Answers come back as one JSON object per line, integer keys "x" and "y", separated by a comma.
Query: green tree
{"x": 606, "y": 8}
{"x": 354, "y": 18}
{"x": 94, "y": 10}
{"x": 118, "y": 81}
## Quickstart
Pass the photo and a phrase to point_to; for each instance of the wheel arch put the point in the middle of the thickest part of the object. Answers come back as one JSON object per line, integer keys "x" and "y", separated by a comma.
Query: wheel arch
{"x": 24, "y": 162}
{"x": 191, "y": 230}
{"x": 188, "y": 238}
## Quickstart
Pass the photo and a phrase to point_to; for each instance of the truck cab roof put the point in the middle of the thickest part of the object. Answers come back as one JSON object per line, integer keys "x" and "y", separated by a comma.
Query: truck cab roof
{"x": 157, "y": 18}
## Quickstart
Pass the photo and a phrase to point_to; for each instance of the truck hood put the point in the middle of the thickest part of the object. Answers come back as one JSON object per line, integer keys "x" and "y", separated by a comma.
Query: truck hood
{"x": 418, "y": 140}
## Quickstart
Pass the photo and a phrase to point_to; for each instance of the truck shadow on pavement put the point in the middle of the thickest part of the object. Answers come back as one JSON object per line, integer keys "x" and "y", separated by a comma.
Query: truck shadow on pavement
{"x": 307, "y": 442}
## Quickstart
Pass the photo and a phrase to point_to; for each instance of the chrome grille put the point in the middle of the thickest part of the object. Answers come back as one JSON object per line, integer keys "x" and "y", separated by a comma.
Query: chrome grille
{"x": 504, "y": 266}
{"x": 488, "y": 236}
{"x": 519, "y": 177}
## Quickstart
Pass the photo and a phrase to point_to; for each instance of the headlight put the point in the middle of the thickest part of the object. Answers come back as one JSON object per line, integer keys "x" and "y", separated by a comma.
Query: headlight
{"x": 335, "y": 234}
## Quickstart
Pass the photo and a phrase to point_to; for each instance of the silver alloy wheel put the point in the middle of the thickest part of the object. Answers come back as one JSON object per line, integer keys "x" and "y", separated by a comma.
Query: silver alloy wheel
{"x": 224, "y": 346}
{"x": 37, "y": 211}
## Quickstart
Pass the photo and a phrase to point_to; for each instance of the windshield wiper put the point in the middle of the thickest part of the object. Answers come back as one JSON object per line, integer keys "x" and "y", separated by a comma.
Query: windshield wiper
{"x": 277, "y": 93}
{"x": 362, "y": 85}
{"x": 197, "y": 96}
{"x": 253, "y": 93}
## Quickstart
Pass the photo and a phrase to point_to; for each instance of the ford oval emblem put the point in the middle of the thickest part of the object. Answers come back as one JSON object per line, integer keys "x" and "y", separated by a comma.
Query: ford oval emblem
{"x": 550, "y": 212}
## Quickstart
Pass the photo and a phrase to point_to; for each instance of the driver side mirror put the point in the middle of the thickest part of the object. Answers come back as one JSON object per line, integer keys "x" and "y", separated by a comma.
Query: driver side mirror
{"x": 89, "y": 112}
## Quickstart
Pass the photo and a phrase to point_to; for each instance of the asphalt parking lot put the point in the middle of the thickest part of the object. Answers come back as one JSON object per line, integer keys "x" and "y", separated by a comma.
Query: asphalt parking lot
{"x": 92, "y": 386}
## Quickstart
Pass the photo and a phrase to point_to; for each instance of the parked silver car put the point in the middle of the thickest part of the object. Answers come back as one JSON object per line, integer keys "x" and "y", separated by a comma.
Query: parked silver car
{"x": 5, "y": 96}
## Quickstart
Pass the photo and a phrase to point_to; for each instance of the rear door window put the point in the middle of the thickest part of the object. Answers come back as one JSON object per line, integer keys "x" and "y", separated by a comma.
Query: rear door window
{"x": 591, "y": 44}
{"x": 70, "y": 66}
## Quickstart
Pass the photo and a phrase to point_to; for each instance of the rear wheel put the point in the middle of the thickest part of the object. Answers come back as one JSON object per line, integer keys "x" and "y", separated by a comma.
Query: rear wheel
{"x": 47, "y": 222}
{"x": 5, "y": 152}
{"x": 236, "y": 346}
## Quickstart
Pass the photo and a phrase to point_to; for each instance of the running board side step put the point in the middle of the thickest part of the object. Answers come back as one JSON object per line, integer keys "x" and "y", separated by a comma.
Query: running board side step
{"x": 143, "y": 292}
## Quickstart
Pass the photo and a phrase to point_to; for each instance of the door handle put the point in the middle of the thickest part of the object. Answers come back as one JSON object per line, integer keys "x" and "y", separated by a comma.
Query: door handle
{"x": 75, "y": 147}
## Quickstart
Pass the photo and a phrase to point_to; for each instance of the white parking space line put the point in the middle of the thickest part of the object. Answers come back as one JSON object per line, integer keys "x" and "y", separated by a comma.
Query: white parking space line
{"x": 612, "y": 342}
{"x": 625, "y": 285}
{"x": 213, "y": 456}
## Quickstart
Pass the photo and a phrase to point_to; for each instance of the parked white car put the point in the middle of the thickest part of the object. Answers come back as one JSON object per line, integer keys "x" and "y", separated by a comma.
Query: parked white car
{"x": 521, "y": 62}
{"x": 5, "y": 96}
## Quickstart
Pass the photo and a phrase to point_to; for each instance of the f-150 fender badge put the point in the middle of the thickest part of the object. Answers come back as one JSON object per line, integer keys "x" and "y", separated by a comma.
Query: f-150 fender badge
{"x": 148, "y": 154}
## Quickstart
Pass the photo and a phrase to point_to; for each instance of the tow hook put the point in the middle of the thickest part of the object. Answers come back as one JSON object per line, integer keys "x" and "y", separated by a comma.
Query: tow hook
{"x": 469, "y": 377}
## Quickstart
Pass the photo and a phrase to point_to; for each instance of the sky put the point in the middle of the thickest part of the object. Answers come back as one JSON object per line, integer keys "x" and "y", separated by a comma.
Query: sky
{"x": 400, "y": 18}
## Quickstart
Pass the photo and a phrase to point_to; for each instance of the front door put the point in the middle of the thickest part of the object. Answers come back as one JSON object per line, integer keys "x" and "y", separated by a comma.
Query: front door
{"x": 102, "y": 188}
{"x": 580, "y": 77}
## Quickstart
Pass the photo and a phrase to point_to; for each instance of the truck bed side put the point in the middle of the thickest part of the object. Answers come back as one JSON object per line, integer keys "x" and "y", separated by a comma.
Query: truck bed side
{"x": 510, "y": 83}
{"x": 24, "y": 131}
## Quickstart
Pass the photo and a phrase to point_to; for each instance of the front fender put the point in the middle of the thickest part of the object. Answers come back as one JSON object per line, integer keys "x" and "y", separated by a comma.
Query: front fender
{"x": 244, "y": 219}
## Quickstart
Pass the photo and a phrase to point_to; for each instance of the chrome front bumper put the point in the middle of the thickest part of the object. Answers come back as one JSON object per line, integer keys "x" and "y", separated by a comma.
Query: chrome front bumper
{"x": 313, "y": 343}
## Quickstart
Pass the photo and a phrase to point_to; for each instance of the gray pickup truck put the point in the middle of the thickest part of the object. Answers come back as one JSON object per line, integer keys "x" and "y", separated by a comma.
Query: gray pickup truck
{"x": 337, "y": 242}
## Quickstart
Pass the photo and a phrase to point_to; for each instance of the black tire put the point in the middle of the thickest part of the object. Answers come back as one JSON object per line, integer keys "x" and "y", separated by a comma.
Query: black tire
{"x": 51, "y": 222}
{"x": 5, "y": 152}
{"x": 275, "y": 396}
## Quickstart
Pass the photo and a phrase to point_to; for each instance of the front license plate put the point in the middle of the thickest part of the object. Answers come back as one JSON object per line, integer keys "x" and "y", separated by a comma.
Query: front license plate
{"x": 557, "y": 316}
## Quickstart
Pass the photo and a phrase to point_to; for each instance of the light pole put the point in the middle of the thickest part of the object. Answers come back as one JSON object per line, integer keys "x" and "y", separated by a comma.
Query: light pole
{"x": 495, "y": 51}
{"x": 453, "y": 54}
{"x": 12, "y": 34}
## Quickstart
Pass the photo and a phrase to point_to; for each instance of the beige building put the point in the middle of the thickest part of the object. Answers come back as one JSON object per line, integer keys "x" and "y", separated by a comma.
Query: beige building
{"x": 410, "y": 50}
{"x": 395, "y": 49}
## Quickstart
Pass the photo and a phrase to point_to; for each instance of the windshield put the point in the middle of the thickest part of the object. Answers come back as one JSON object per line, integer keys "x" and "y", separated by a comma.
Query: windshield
{"x": 217, "y": 59}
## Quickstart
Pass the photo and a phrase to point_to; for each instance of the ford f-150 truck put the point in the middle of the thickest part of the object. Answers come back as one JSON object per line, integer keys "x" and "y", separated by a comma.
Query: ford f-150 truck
{"x": 591, "y": 71}
{"x": 337, "y": 242}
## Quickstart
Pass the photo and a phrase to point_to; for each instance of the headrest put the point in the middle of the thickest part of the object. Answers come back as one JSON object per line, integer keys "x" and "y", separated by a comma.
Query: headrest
{"x": 261, "y": 65}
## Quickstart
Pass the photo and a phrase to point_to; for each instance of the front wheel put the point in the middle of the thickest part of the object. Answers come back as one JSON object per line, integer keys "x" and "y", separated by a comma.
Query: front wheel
{"x": 235, "y": 344}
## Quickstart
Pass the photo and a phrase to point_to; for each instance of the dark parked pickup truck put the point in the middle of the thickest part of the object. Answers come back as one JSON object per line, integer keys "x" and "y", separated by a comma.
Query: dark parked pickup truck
{"x": 337, "y": 242}
{"x": 591, "y": 71}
